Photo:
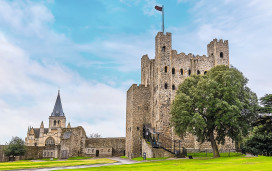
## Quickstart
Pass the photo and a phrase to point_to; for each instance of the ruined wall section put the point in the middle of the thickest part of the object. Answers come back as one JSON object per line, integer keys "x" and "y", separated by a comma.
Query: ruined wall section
{"x": 138, "y": 113}
{"x": 73, "y": 141}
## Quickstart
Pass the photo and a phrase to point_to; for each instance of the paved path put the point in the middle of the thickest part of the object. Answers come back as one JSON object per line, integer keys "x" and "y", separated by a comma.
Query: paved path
{"x": 119, "y": 160}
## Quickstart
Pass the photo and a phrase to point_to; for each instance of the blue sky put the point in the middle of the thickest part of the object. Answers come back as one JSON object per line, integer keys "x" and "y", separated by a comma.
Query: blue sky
{"x": 91, "y": 50}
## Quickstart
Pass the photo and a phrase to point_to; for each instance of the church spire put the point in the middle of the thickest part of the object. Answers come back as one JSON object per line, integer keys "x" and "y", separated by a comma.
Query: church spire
{"x": 58, "y": 111}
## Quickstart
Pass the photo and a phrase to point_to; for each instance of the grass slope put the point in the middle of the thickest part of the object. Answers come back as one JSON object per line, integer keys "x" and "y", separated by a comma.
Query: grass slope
{"x": 45, "y": 164}
{"x": 206, "y": 164}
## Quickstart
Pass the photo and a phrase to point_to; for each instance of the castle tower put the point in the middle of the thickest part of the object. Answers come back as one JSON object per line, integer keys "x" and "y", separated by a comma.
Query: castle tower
{"x": 219, "y": 50}
{"x": 69, "y": 125}
{"x": 149, "y": 103}
{"x": 57, "y": 118}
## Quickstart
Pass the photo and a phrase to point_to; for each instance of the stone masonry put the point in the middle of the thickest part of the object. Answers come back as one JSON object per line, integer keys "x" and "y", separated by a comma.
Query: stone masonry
{"x": 149, "y": 103}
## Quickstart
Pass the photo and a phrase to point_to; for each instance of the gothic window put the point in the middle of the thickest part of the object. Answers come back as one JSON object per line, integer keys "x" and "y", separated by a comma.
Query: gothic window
{"x": 198, "y": 72}
{"x": 181, "y": 71}
{"x": 163, "y": 48}
{"x": 221, "y": 55}
{"x": 165, "y": 69}
{"x": 165, "y": 85}
{"x": 189, "y": 72}
{"x": 50, "y": 141}
{"x": 205, "y": 72}
{"x": 173, "y": 87}
{"x": 173, "y": 70}
{"x": 55, "y": 122}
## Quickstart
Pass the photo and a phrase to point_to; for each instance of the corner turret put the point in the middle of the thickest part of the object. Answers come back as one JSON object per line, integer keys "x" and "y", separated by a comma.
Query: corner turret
{"x": 219, "y": 51}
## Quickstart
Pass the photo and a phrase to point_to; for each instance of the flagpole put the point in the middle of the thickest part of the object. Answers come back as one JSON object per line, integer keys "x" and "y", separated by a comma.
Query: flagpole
{"x": 162, "y": 19}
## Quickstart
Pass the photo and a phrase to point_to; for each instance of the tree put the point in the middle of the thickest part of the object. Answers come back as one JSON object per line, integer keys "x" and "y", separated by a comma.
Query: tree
{"x": 260, "y": 141}
{"x": 16, "y": 147}
{"x": 214, "y": 106}
{"x": 95, "y": 135}
{"x": 266, "y": 103}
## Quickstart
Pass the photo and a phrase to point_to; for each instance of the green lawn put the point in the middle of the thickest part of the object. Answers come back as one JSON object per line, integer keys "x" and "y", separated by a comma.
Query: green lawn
{"x": 141, "y": 158}
{"x": 203, "y": 154}
{"x": 57, "y": 163}
{"x": 207, "y": 164}
{"x": 79, "y": 158}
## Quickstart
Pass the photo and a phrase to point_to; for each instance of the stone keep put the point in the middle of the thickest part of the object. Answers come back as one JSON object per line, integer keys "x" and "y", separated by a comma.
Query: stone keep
{"x": 149, "y": 103}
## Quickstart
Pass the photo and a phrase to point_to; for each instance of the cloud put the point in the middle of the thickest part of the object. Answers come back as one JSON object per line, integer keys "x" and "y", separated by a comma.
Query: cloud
{"x": 246, "y": 24}
{"x": 28, "y": 90}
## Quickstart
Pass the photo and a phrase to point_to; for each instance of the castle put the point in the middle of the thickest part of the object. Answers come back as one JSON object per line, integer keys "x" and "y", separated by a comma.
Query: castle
{"x": 148, "y": 104}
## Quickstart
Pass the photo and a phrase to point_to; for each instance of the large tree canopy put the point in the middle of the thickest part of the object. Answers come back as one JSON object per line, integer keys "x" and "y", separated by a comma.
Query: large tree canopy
{"x": 214, "y": 106}
{"x": 15, "y": 147}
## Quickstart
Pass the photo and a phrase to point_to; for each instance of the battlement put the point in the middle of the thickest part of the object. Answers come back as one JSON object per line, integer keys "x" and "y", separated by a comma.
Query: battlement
{"x": 220, "y": 41}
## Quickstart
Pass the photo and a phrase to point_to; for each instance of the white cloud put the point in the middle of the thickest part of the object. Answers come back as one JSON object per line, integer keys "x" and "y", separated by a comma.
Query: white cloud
{"x": 28, "y": 90}
{"x": 246, "y": 24}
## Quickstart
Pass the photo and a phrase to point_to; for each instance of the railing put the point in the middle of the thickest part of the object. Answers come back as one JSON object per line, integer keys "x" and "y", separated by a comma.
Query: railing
{"x": 158, "y": 140}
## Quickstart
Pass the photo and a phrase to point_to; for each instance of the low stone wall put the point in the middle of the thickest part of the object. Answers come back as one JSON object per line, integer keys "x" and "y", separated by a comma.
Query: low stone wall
{"x": 117, "y": 145}
{"x": 154, "y": 152}
{"x": 32, "y": 152}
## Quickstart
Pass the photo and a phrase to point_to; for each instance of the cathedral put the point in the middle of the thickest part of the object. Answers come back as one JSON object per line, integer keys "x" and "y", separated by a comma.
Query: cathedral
{"x": 46, "y": 136}
{"x": 63, "y": 141}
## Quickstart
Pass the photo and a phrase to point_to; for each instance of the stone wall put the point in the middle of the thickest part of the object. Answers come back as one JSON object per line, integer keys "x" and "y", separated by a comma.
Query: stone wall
{"x": 72, "y": 142}
{"x": 31, "y": 153}
{"x": 153, "y": 152}
{"x": 106, "y": 146}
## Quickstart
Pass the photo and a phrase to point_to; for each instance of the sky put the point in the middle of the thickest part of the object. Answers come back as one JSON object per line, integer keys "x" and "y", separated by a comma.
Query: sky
{"x": 91, "y": 51}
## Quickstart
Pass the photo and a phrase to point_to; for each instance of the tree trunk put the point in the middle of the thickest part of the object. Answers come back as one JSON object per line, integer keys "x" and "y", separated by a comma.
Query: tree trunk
{"x": 214, "y": 146}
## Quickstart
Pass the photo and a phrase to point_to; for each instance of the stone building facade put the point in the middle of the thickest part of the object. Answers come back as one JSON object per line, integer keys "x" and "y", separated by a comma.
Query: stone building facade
{"x": 61, "y": 141}
{"x": 149, "y": 103}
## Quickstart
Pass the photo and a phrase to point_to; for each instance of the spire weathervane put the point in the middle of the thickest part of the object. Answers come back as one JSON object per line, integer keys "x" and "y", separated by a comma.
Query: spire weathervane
{"x": 162, "y": 10}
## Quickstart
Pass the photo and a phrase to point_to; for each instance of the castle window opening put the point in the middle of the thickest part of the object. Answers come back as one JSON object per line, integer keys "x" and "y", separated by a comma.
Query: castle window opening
{"x": 51, "y": 154}
{"x": 165, "y": 69}
{"x": 181, "y": 71}
{"x": 108, "y": 150}
{"x": 173, "y": 87}
{"x": 163, "y": 48}
{"x": 138, "y": 128}
{"x": 55, "y": 122}
{"x": 92, "y": 150}
{"x": 165, "y": 85}
{"x": 173, "y": 70}
{"x": 221, "y": 55}
{"x": 189, "y": 72}
{"x": 198, "y": 72}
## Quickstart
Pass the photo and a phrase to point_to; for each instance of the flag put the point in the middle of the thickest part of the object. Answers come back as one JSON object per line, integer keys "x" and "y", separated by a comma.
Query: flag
{"x": 158, "y": 8}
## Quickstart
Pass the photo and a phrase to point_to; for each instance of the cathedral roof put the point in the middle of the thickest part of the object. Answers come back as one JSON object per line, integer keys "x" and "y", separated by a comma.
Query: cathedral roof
{"x": 58, "y": 111}
{"x": 37, "y": 132}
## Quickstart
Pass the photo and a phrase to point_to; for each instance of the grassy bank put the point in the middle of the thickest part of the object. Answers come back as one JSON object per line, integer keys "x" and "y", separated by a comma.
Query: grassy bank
{"x": 45, "y": 164}
{"x": 207, "y": 164}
